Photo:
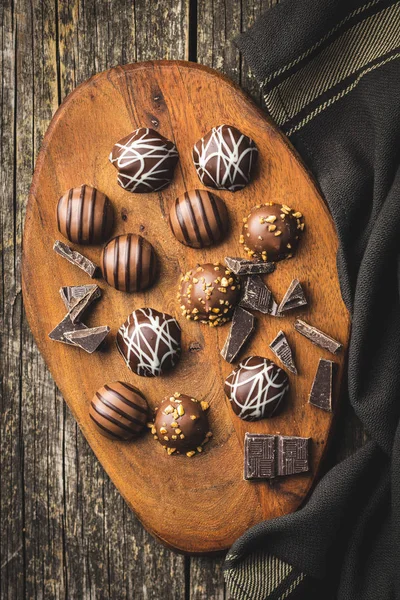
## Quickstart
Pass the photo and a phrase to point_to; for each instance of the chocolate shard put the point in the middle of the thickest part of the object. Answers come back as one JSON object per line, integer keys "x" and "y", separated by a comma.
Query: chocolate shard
{"x": 322, "y": 387}
{"x": 243, "y": 266}
{"x": 280, "y": 347}
{"x": 88, "y": 339}
{"x": 71, "y": 293}
{"x": 80, "y": 305}
{"x": 256, "y": 295}
{"x": 318, "y": 337}
{"x": 293, "y": 455}
{"x": 294, "y": 297}
{"x": 243, "y": 325}
{"x": 66, "y": 325}
{"x": 259, "y": 456}
{"x": 76, "y": 258}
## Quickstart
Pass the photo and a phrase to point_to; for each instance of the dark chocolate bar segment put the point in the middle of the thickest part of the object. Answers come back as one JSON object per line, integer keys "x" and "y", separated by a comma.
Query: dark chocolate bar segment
{"x": 259, "y": 456}
{"x": 71, "y": 293}
{"x": 80, "y": 305}
{"x": 76, "y": 258}
{"x": 243, "y": 266}
{"x": 293, "y": 455}
{"x": 280, "y": 347}
{"x": 317, "y": 337}
{"x": 65, "y": 325}
{"x": 88, "y": 339}
{"x": 322, "y": 387}
{"x": 243, "y": 325}
{"x": 293, "y": 298}
{"x": 256, "y": 295}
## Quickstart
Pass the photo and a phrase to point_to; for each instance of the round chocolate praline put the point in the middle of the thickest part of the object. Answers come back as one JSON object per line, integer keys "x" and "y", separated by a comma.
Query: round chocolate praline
{"x": 256, "y": 388}
{"x": 150, "y": 342}
{"x": 225, "y": 158}
{"x": 181, "y": 424}
{"x": 119, "y": 411}
{"x": 198, "y": 219}
{"x": 129, "y": 263}
{"x": 209, "y": 293}
{"x": 271, "y": 232}
{"x": 85, "y": 215}
{"x": 145, "y": 161}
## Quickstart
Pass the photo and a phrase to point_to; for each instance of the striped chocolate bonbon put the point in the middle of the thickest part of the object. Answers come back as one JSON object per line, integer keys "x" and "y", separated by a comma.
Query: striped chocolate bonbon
{"x": 129, "y": 263}
{"x": 85, "y": 215}
{"x": 119, "y": 411}
{"x": 198, "y": 218}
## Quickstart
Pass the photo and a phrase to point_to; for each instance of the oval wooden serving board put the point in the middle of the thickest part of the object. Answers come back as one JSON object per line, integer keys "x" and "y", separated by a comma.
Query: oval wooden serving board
{"x": 198, "y": 504}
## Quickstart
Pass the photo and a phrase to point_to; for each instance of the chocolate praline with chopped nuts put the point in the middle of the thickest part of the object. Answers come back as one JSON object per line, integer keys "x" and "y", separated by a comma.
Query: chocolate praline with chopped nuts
{"x": 181, "y": 424}
{"x": 209, "y": 293}
{"x": 271, "y": 232}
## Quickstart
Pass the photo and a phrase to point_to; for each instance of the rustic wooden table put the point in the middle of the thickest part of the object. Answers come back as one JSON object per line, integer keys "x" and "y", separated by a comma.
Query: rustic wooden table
{"x": 65, "y": 531}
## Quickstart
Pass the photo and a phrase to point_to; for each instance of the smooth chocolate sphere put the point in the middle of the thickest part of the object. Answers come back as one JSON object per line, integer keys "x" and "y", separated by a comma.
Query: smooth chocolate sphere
{"x": 129, "y": 263}
{"x": 271, "y": 232}
{"x": 181, "y": 424}
{"x": 198, "y": 219}
{"x": 225, "y": 158}
{"x": 256, "y": 388}
{"x": 150, "y": 342}
{"x": 119, "y": 411}
{"x": 85, "y": 215}
{"x": 145, "y": 161}
{"x": 209, "y": 293}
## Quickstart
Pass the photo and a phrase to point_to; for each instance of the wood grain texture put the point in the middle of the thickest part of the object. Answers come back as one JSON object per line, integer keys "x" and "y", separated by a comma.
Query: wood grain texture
{"x": 50, "y": 543}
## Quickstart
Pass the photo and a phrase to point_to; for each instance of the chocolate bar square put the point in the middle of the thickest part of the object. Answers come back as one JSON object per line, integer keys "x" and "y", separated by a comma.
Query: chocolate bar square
{"x": 259, "y": 456}
{"x": 292, "y": 455}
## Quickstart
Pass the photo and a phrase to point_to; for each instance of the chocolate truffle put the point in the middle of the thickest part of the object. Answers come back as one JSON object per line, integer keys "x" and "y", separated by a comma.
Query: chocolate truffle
{"x": 85, "y": 215}
{"x": 271, "y": 232}
{"x": 181, "y": 425}
{"x": 225, "y": 158}
{"x": 256, "y": 388}
{"x": 145, "y": 160}
{"x": 209, "y": 293}
{"x": 150, "y": 342}
{"x": 198, "y": 219}
{"x": 119, "y": 411}
{"x": 129, "y": 263}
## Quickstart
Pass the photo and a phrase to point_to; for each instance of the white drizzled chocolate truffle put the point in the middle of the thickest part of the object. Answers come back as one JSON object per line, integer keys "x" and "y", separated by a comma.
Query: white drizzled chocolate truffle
{"x": 256, "y": 388}
{"x": 129, "y": 263}
{"x": 209, "y": 293}
{"x": 150, "y": 342}
{"x": 225, "y": 158}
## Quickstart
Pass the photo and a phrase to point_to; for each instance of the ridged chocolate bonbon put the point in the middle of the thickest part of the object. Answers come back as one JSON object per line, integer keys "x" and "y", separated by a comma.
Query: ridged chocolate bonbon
{"x": 119, "y": 411}
{"x": 129, "y": 263}
{"x": 198, "y": 219}
{"x": 85, "y": 215}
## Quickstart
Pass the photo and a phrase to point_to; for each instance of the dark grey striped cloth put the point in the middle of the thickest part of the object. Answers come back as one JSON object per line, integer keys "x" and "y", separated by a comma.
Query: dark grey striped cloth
{"x": 330, "y": 76}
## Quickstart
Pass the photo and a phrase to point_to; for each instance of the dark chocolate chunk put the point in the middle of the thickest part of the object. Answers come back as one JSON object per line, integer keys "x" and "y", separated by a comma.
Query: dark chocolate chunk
{"x": 76, "y": 258}
{"x": 80, "y": 305}
{"x": 241, "y": 329}
{"x": 243, "y": 266}
{"x": 321, "y": 390}
{"x": 256, "y": 295}
{"x": 66, "y": 325}
{"x": 292, "y": 455}
{"x": 317, "y": 337}
{"x": 88, "y": 339}
{"x": 259, "y": 456}
{"x": 71, "y": 293}
{"x": 294, "y": 297}
{"x": 280, "y": 347}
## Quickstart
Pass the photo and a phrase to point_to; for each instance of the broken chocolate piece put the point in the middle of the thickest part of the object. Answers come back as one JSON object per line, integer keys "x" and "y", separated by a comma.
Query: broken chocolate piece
{"x": 280, "y": 347}
{"x": 81, "y": 304}
{"x": 58, "y": 333}
{"x": 259, "y": 456}
{"x": 318, "y": 337}
{"x": 241, "y": 329}
{"x": 292, "y": 455}
{"x": 256, "y": 295}
{"x": 243, "y": 266}
{"x": 76, "y": 258}
{"x": 71, "y": 293}
{"x": 88, "y": 339}
{"x": 321, "y": 390}
{"x": 294, "y": 297}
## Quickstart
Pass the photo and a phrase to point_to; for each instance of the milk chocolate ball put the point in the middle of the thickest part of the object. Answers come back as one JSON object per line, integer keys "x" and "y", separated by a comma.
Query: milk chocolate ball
{"x": 209, "y": 293}
{"x": 271, "y": 232}
{"x": 129, "y": 263}
{"x": 181, "y": 424}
